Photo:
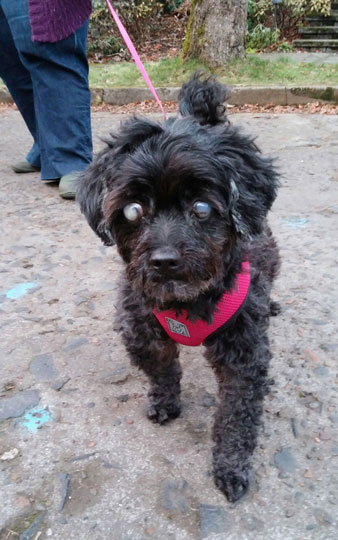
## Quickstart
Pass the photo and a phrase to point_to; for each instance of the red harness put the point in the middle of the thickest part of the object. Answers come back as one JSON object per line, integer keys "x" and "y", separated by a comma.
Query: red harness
{"x": 183, "y": 331}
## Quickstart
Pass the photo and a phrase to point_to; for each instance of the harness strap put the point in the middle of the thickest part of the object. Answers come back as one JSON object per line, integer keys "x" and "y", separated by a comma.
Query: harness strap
{"x": 183, "y": 331}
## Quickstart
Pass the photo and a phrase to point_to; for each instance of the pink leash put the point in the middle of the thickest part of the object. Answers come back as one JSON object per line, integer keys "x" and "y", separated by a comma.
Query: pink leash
{"x": 135, "y": 55}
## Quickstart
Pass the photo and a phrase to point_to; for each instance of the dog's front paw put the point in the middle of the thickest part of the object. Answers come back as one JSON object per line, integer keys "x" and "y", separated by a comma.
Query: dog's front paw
{"x": 163, "y": 412}
{"x": 233, "y": 485}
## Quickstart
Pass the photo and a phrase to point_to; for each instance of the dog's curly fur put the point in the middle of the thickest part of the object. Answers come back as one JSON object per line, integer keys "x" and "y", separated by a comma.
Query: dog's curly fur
{"x": 165, "y": 168}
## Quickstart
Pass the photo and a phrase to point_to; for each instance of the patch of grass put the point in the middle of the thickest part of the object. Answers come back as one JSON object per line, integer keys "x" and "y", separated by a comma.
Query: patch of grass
{"x": 251, "y": 71}
{"x": 166, "y": 72}
{"x": 254, "y": 70}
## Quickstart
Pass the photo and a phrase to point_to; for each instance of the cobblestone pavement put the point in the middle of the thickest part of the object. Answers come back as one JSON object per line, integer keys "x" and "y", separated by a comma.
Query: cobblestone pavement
{"x": 78, "y": 458}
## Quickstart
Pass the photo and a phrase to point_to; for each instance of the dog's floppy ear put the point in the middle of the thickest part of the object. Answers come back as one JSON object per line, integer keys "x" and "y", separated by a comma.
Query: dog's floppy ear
{"x": 253, "y": 185}
{"x": 90, "y": 194}
{"x": 240, "y": 225}
{"x": 99, "y": 178}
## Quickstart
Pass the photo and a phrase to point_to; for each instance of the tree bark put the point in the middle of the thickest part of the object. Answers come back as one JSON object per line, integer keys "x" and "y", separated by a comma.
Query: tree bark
{"x": 216, "y": 31}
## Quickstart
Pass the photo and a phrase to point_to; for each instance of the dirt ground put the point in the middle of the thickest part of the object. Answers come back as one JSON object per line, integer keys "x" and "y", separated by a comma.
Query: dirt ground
{"x": 78, "y": 457}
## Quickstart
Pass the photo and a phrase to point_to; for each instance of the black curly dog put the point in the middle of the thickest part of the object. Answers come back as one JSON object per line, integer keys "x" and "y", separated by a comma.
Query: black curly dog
{"x": 186, "y": 201}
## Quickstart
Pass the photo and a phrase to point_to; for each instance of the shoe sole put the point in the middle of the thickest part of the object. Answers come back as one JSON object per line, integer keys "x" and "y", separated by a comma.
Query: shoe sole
{"x": 22, "y": 171}
{"x": 67, "y": 195}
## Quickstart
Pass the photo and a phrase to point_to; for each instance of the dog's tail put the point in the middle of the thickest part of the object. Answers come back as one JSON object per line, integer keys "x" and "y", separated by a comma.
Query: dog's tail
{"x": 203, "y": 97}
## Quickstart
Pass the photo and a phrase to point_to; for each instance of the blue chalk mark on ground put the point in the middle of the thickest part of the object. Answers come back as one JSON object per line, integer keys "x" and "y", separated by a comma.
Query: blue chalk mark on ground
{"x": 35, "y": 418}
{"x": 295, "y": 222}
{"x": 20, "y": 290}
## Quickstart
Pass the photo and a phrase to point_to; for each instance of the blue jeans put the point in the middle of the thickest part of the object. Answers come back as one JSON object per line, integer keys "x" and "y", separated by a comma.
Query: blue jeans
{"x": 49, "y": 84}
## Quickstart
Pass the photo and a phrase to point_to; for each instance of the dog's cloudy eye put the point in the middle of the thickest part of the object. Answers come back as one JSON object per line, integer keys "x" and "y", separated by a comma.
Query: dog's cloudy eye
{"x": 133, "y": 211}
{"x": 201, "y": 209}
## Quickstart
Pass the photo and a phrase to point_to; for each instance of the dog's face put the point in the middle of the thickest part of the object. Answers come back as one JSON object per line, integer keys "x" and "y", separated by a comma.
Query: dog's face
{"x": 176, "y": 201}
{"x": 171, "y": 222}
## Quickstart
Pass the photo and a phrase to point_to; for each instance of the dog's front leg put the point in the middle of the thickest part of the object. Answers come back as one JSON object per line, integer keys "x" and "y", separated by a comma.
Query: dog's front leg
{"x": 151, "y": 350}
{"x": 164, "y": 373}
{"x": 242, "y": 387}
{"x": 158, "y": 358}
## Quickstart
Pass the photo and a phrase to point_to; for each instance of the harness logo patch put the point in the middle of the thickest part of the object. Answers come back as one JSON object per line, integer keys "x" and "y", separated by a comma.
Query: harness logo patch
{"x": 177, "y": 327}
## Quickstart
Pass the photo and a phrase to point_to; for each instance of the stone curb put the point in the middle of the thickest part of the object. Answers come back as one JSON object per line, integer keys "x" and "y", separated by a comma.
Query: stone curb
{"x": 240, "y": 95}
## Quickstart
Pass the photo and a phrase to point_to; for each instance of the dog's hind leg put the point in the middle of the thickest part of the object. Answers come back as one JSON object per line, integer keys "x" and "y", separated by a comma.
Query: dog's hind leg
{"x": 242, "y": 387}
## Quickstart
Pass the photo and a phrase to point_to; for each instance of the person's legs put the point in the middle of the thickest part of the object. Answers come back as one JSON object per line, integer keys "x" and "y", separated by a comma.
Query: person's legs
{"x": 59, "y": 73}
{"x": 62, "y": 101}
{"x": 19, "y": 83}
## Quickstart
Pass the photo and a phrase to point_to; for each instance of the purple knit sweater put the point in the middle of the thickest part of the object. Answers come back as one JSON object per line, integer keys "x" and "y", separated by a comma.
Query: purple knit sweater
{"x": 53, "y": 20}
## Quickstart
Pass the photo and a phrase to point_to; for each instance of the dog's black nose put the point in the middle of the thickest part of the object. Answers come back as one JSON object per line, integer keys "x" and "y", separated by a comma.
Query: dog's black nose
{"x": 165, "y": 259}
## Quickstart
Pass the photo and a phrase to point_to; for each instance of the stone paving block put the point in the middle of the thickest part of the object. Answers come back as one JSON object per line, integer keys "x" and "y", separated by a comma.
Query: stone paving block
{"x": 15, "y": 406}
{"x": 214, "y": 520}
{"x": 42, "y": 366}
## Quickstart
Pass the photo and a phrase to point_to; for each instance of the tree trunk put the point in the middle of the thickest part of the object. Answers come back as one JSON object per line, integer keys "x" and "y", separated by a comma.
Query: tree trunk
{"x": 216, "y": 31}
